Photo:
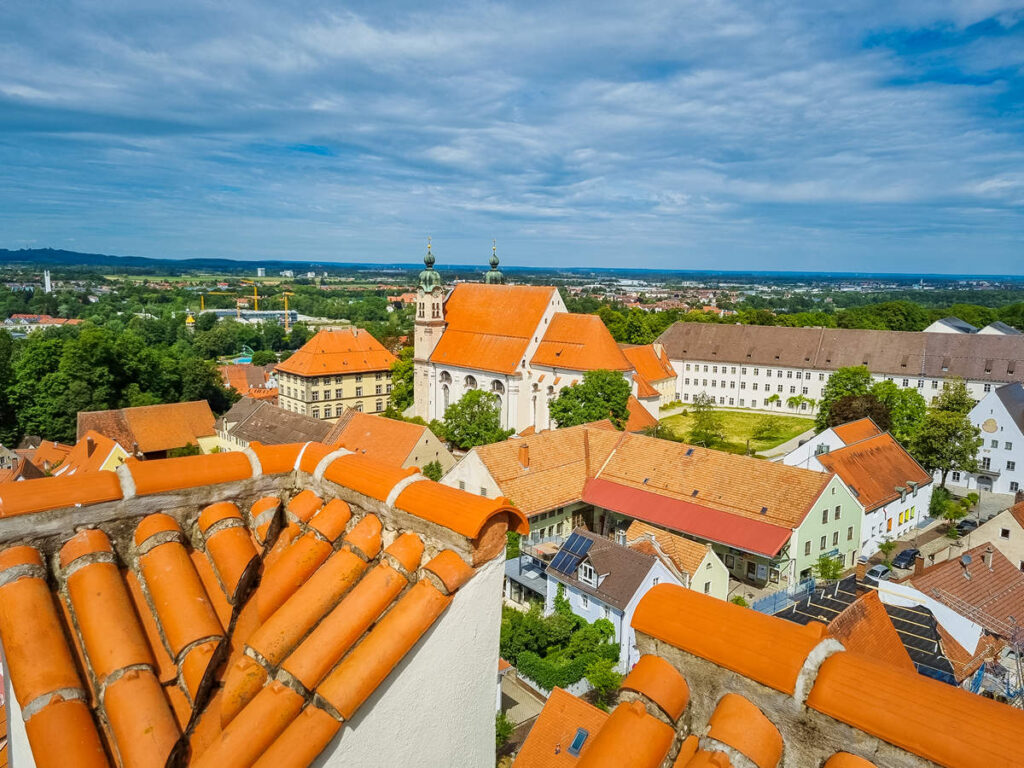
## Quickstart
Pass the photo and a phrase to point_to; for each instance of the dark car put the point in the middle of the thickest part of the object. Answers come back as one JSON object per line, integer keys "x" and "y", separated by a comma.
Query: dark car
{"x": 966, "y": 525}
{"x": 905, "y": 559}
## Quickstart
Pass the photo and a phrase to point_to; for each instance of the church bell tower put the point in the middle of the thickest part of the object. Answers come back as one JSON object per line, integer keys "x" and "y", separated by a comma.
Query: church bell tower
{"x": 428, "y": 328}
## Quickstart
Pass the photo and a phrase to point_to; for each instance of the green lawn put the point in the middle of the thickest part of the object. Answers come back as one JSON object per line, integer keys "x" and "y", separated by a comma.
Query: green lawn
{"x": 738, "y": 428}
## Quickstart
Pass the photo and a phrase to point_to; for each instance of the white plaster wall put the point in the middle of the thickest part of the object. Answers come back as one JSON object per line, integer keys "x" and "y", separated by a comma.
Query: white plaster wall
{"x": 474, "y": 474}
{"x": 717, "y": 574}
{"x": 1011, "y": 547}
{"x": 436, "y": 708}
{"x": 875, "y": 528}
{"x": 804, "y": 456}
{"x": 17, "y": 739}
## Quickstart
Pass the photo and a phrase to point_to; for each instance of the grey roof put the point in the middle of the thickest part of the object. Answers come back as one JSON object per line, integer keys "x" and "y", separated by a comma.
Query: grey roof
{"x": 898, "y": 353}
{"x": 960, "y": 325}
{"x": 1012, "y": 396}
{"x": 258, "y": 420}
{"x": 624, "y": 570}
{"x": 1002, "y": 327}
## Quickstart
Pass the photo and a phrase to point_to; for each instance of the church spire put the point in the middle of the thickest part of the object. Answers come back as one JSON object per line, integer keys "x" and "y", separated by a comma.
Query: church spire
{"x": 429, "y": 277}
{"x": 493, "y": 276}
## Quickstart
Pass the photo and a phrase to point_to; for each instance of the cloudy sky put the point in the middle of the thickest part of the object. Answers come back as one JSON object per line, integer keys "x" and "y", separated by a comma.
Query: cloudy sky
{"x": 739, "y": 134}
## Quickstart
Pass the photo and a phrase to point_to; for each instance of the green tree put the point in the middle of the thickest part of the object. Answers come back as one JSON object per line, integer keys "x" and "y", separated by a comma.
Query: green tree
{"x": 605, "y": 681}
{"x": 636, "y": 330}
{"x": 503, "y": 728}
{"x": 263, "y": 357}
{"x": 886, "y": 547}
{"x": 906, "y": 409}
{"x": 402, "y": 382}
{"x": 946, "y": 441}
{"x": 433, "y": 470}
{"x": 512, "y": 541}
{"x": 474, "y": 420}
{"x": 954, "y": 397}
{"x": 854, "y": 407}
{"x": 843, "y": 382}
{"x": 600, "y": 395}
{"x": 706, "y": 425}
{"x": 828, "y": 568}
{"x": 952, "y": 513}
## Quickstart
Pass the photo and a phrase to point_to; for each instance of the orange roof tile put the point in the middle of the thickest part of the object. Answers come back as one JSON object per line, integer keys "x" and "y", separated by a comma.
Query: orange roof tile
{"x": 685, "y": 554}
{"x": 846, "y": 760}
{"x": 639, "y": 417}
{"x": 630, "y": 738}
{"x": 46, "y": 493}
{"x": 648, "y": 363}
{"x": 744, "y": 727}
{"x": 547, "y": 744}
{"x": 489, "y": 327}
{"x": 855, "y": 431}
{"x": 333, "y": 353}
{"x": 189, "y": 472}
{"x": 153, "y": 428}
{"x": 463, "y": 513}
{"x": 763, "y": 648}
{"x": 874, "y": 468}
{"x": 579, "y": 343}
{"x": 643, "y": 387}
{"x": 865, "y": 627}
{"x": 89, "y": 454}
{"x": 1017, "y": 511}
{"x": 50, "y": 455}
{"x": 660, "y": 682}
{"x": 388, "y": 440}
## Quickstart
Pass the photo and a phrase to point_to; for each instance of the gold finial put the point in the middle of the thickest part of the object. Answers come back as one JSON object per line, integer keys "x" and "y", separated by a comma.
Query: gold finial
{"x": 428, "y": 243}
{"x": 494, "y": 246}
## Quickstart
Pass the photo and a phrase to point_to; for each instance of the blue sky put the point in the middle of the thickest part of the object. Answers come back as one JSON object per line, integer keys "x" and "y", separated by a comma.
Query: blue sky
{"x": 733, "y": 134}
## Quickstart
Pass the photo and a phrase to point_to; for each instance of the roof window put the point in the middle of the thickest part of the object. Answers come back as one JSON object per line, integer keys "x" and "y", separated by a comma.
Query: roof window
{"x": 578, "y": 741}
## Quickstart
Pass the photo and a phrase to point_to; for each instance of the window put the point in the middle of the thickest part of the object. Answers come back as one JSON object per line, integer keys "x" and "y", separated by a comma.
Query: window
{"x": 1004, "y": 533}
{"x": 824, "y": 516}
{"x": 483, "y": 491}
{"x": 587, "y": 573}
{"x": 731, "y": 402}
{"x": 379, "y": 389}
{"x": 755, "y": 371}
{"x": 986, "y": 463}
{"x": 1014, "y": 486}
{"x": 789, "y": 374}
{"x": 327, "y": 411}
{"x": 803, "y": 390}
{"x": 778, "y": 388}
{"x": 799, "y": 374}
{"x": 1008, "y": 446}
{"x": 988, "y": 387}
{"x": 338, "y": 394}
{"x": 956, "y": 477}
{"x": 935, "y": 385}
{"x": 359, "y": 391}
{"x": 920, "y": 383}
{"x": 316, "y": 395}
{"x": 316, "y": 412}
{"x": 768, "y": 373}
{"x": 654, "y": 581}
{"x": 733, "y": 369}
{"x": 380, "y": 405}
{"x": 584, "y": 601}
{"x": 754, "y": 386}
{"x": 792, "y": 390}
{"x": 714, "y": 369}
{"x": 687, "y": 366}
{"x": 379, "y": 375}
{"x": 823, "y": 541}
{"x": 607, "y": 612}
{"x": 708, "y": 566}
{"x": 1011, "y": 465}
{"x": 705, "y": 369}
{"x": 835, "y": 539}
{"x": 359, "y": 407}
{"x": 743, "y": 371}
{"x": 821, "y": 377}
{"x": 836, "y": 514}
{"x": 995, "y": 443}
{"x": 779, "y": 374}
{"x": 707, "y": 587}
{"x": 807, "y": 547}
{"x": 906, "y": 382}
{"x": 462, "y": 485}
{"x": 359, "y": 377}
{"x": 849, "y": 533}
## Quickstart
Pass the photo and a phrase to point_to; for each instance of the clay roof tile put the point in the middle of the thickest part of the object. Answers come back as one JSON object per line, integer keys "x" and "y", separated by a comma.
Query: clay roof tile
{"x": 407, "y": 549}
{"x": 365, "y": 536}
{"x": 142, "y": 724}
{"x": 64, "y": 733}
{"x": 846, "y": 760}
{"x": 660, "y": 682}
{"x": 744, "y": 727}
{"x": 336, "y": 352}
{"x": 451, "y": 569}
{"x": 461, "y": 512}
{"x": 163, "y": 475}
{"x": 630, "y": 738}
{"x": 332, "y": 519}
{"x": 46, "y": 493}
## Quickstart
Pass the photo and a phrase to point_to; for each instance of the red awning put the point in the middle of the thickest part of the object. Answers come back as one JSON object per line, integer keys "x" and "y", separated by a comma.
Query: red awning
{"x": 686, "y": 517}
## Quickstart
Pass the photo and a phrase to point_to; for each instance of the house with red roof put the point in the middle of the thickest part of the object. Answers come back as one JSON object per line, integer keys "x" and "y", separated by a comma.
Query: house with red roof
{"x": 891, "y": 487}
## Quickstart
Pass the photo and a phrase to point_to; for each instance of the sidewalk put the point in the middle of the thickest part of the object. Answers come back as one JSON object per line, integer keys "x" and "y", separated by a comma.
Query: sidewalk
{"x": 782, "y": 449}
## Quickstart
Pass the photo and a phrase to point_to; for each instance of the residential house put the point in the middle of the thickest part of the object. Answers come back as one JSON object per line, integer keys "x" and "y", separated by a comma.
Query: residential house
{"x": 655, "y": 377}
{"x": 256, "y": 381}
{"x": 335, "y": 370}
{"x": 371, "y": 591}
{"x": 746, "y": 366}
{"x": 1005, "y": 532}
{"x": 516, "y": 341}
{"x": 92, "y": 453}
{"x": 602, "y": 579}
{"x": 8, "y": 458}
{"x": 696, "y": 565}
{"x": 153, "y": 430}
{"x": 1000, "y": 417}
{"x": 250, "y": 420}
{"x": 721, "y": 685}
{"x": 890, "y": 486}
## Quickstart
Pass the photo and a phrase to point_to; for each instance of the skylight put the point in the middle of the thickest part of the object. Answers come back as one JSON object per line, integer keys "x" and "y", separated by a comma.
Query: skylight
{"x": 578, "y": 741}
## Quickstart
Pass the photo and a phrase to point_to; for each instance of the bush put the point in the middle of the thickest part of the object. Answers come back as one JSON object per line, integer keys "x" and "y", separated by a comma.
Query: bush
{"x": 503, "y": 728}
{"x": 765, "y": 428}
{"x": 605, "y": 681}
{"x": 740, "y": 601}
{"x": 512, "y": 545}
{"x": 433, "y": 471}
{"x": 670, "y": 406}
{"x": 940, "y": 499}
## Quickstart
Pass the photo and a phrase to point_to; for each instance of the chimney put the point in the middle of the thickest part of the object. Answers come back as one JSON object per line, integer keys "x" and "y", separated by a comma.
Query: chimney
{"x": 524, "y": 455}
{"x": 862, "y": 569}
{"x": 90, "y": 445}
{"x": 987, "y": 557}
{"x": 919, "y": 565}
{"x": 965, "y": 561}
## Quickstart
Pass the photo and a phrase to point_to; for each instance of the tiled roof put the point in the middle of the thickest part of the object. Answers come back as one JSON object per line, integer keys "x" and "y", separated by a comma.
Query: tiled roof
{"x": 49, "y": 455}
{"x": 874, "y": 469}
{"x": 987, "y": 595}
{"x": 855, "y": 431}
{"x": 23, "y": 469}
{"x": 546, "y": 470}
{"x": 643, "y": 387}
{"x": 242, "y": 377}
{"x": 332, "y": 353}
{"x": 489, "y": 327}
{"x": 259, "y": 420}
{"x": 739, "y": 485}
{"x": 152, "y": 427}
{"x": 1017, "y": 510}
{"x": 865, "y": 627}
{"x": 685, "y": 554}
{"x": 829, "y": 717}
{"x": 89, "y": 454}
{"x": 905, "y": 353}
{"x": 623, "y": 570}
{"x": 381, "y": 438}
{"x": 639, "y": 417}
{"x": 579, "y": 343}
{"x": 563, "y": 715}
{"x": 648, "y": 363}
{"x": 239, "y": 628}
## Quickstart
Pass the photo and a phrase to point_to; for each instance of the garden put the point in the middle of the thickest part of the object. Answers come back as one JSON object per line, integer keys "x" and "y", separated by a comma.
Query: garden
{"x": 733, "y": 431}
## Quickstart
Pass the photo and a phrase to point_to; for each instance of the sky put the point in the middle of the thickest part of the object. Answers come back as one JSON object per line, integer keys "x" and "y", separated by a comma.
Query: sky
{"x": 867, "y": 135}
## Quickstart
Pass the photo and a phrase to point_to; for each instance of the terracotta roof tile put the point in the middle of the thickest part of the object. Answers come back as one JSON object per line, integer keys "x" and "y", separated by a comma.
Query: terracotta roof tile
{"x": 229, "y": 547}
{"x": 331, "y": 353}
{"x": 855, "y": 431}
{"x": 846, "y": 760}
{"x": 579, "y": 343}
{"x": 643, "y": 387}
{"x": 489, "y": 327}
{"x": 865, "y": 627}
{"x": 743, "y": 726}
{"x": 275, "y": 459}
{"x": 188, "y": 472}
{"x": 450, "y": 569}
{"x": 153, "y": 428}
{"x": 388, "y": 440}
{"x": 50, "y": 455}
{"x": 54, "y": 492}
{"x": 649, "y": 362}
{"x": 89, "y": 454}
{"x": 630, "y": 738}
{"x": 1017, "y": 510}
{"x": 463, "y": 513}
{"x": 367, "y": 476}
{"x": 686, "y": 554}
{"x": 639, "y": 417}
{"x": 874, "y": 469}
{"x": 660, "y": 682}
{"x": 547, "y": 744}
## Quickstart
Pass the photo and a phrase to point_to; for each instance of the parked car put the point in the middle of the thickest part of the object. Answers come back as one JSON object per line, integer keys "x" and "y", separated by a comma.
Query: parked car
{"x": 967, "y": 525}
{"x": 877, "y": 573}
{"x": 905, "y": 559}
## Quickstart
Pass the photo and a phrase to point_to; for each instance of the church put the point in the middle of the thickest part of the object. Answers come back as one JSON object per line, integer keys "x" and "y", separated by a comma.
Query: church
{"x": 517, "y": 341}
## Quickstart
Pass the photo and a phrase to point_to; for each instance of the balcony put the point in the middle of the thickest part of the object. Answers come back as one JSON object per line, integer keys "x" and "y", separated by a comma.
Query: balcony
{"x": 542, "y": 548}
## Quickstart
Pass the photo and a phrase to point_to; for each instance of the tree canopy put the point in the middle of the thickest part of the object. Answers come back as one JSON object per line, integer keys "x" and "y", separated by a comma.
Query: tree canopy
{"x": 946, "y": 441}
{"x": 600, "y": 395}
{"x": 843, "y": 382}
{"x": 906, "y": 409}
{"x": 473, "y": 420}
{"x": 706, "y": 426}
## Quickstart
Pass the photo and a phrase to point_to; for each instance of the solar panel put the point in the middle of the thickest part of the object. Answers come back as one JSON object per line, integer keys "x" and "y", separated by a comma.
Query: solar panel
{"x": 559, "y": 560}
{"x": 569, "y": 556}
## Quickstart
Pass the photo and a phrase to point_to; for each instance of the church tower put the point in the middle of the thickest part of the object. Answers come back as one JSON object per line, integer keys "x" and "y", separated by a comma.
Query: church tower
{"x": 493, "y": 276}
{"x": 428, "y": 329}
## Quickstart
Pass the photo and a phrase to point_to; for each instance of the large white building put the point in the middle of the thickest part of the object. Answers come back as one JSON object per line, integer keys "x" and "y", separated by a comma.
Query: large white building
{"x": 516, "y": 341}
{"x": 781, "y": 369}
{"x": 1000, "y": 417}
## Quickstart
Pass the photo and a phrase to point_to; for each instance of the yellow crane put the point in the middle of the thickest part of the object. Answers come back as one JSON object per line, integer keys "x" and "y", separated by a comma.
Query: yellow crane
{"x": 287, "y": 317}
{"x": 202, "y": 297}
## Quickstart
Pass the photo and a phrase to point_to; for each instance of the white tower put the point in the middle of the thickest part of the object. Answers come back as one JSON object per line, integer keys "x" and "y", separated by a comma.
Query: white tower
{"x": 47, "y": 285}
{"x": 427, "y": 332}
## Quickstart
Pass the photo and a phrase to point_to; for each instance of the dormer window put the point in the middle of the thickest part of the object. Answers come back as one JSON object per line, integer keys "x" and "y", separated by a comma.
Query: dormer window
{"x": 587, "y": 574}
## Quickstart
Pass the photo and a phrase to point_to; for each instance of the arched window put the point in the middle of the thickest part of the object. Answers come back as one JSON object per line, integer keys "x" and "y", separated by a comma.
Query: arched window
{"x": 498, "y": 397}
{"x": 533, "y": 410}
{"x": 497, "y": 388}
{"x": 446, "y": 378}
{"x": 444, "y": 395}
{"x": 470, "y": 382}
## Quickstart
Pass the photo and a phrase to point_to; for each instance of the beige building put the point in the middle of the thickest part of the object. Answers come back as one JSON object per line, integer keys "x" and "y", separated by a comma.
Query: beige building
{"x": 1005, "y": 532}
{"x": 333, "y": 371}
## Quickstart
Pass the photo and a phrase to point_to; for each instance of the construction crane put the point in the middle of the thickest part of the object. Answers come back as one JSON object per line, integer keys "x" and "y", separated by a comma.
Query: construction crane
{"x": 287, "y": 317}
{"x": 202, "y": 297}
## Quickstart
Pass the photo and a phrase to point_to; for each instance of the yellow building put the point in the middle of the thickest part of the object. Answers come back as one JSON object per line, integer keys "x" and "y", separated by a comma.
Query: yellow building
{"x": 333, "y": 371}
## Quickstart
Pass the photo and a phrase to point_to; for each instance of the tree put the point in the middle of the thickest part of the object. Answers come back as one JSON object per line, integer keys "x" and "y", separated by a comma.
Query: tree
{"x": 954, "y": 397}
{"x": 512, "y": 541}
{"x": 828, "y": 568}
{"x": 402, "y": 382}
{"x": 474, "y": 420}
{"x": 636, "y": 330}
{"x": 433, "y": 470}
{"x": 906, "y": 409}
{"x": 263, "y": 357}
{"x": 503, "y": 728}
{"x": 853, "y": 407}
{"x": 601, "y": 395}
{"x": 953, "y": 512}
{"x": 946, "y": 441}
{"x": 843, "y": 382}
{"x": 706, "y": 425}
{"x": 605, "y": 681}
{"x": 886, "y": 547}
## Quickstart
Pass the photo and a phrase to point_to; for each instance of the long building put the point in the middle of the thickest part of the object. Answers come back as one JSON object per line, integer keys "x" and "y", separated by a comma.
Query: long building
{"x": 773, "y": 368}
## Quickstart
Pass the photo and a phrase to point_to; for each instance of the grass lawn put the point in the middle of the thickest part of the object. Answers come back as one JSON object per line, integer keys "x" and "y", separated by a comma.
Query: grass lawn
{"x": 738, "y": 427}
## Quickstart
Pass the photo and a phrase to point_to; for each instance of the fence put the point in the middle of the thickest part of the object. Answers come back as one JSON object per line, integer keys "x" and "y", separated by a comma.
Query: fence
{"x": 779, "y": 601}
